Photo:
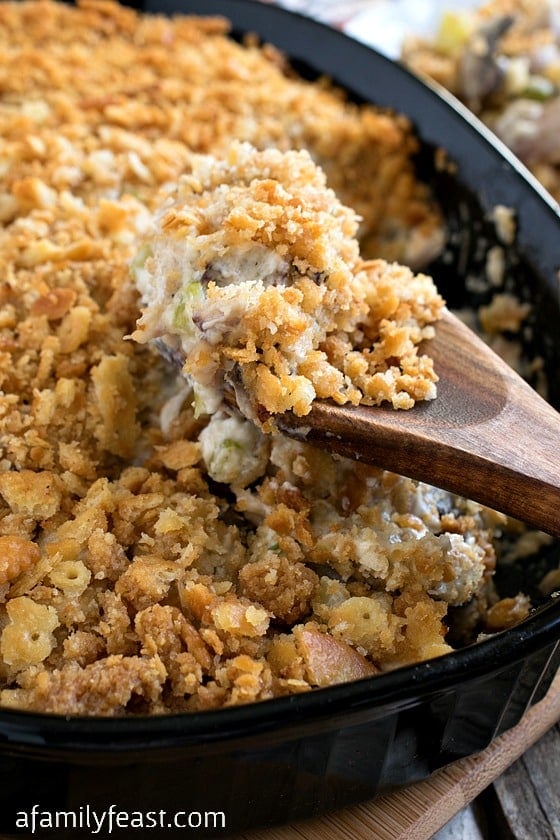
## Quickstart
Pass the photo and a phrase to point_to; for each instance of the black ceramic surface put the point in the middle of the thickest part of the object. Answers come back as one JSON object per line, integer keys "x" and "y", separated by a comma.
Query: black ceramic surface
{"x": 304, "y": 755}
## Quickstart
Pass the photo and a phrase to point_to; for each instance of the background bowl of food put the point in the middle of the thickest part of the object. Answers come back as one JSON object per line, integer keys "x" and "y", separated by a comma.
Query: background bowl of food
{"x": 275, "y": 646}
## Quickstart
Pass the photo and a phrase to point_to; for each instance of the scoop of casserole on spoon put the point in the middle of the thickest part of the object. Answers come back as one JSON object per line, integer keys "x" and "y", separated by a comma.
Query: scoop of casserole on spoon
{"x": 252, "y": 281}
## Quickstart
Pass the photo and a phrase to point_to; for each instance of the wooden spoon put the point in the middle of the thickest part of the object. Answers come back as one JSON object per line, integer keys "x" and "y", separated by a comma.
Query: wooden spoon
{"x": 487, "y": 436}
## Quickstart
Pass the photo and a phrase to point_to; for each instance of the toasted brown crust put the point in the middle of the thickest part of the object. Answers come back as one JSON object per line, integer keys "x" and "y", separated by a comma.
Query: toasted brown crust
{"x": 137, "y": 585}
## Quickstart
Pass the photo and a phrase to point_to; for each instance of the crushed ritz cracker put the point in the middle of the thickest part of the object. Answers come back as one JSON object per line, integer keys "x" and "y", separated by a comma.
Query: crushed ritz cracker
{"x": 153, "y": 560}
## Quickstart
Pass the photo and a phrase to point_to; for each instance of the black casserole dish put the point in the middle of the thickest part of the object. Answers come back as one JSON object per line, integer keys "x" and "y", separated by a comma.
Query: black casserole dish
{"x": 304, "y": 755}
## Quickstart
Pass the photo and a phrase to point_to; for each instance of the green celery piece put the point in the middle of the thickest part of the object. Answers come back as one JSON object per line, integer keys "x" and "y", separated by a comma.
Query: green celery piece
{"x": 190, "y": 294}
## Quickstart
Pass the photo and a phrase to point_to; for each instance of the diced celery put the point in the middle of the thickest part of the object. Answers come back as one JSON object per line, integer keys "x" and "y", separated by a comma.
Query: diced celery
{"x": 539, "y": 88}
{"x": 198, "y": 403}
{"x": 206, "y": 400}
{"x": 226, "y": 460}
{"x": 193, "y": 291}
{"x": 139, "y": 261}
{"x": 181, "y": 320}
{"x": 454, "y": 31}
{"x": 230, "y": 443}
{"x": 182, "y": 314}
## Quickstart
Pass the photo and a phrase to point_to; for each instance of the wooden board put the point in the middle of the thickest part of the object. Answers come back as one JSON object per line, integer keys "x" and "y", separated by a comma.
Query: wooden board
{"x": 422, "y": 809}
{"x": 528, "y": 793}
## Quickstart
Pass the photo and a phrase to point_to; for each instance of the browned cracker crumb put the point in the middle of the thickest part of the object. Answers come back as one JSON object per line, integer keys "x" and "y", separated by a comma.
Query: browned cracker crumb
{"x": 131, "y": 580}
{"x": 252, "y": 273}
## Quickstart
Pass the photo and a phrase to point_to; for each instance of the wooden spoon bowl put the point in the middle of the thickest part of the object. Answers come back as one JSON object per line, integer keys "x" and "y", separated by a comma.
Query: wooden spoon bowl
{"x": 487, "y": 436}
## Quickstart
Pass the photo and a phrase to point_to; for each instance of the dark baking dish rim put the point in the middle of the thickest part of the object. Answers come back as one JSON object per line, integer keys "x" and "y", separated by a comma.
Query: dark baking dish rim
{"x": 334, "y": 706}
{"x": 407, "y": 686}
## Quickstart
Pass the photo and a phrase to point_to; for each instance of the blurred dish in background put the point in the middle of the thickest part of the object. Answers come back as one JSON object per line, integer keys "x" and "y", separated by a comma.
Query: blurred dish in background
{"x": 383, "y": 24}
{"x": 501, "y": 58}
{"x": 503, "y": 62}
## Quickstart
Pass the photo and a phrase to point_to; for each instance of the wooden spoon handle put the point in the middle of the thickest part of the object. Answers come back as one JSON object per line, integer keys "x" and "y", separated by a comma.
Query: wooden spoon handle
{"x": 487, "y": 436}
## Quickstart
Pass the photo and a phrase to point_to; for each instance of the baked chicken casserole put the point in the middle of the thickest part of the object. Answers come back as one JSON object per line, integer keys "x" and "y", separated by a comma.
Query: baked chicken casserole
{"x": 158, "y": 553}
